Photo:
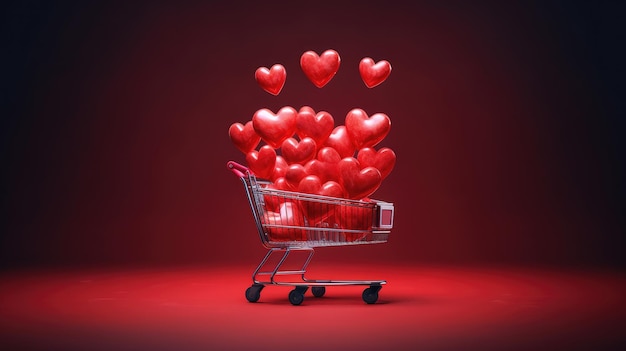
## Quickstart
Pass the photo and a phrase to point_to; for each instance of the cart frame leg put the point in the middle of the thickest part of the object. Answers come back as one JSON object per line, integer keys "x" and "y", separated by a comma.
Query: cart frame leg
{"x": 276, "y": 271}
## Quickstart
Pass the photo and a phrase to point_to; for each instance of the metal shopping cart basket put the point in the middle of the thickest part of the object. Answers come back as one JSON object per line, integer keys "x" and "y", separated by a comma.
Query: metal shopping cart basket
{"x": 290, "y": 221}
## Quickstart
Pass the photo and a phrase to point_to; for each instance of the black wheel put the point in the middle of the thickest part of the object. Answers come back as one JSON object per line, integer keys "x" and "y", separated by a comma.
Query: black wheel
{"x": 370, "y": 295}
{"x": 253, "y": 293}
{"x": 318, "y": 291}
{"x": 296, "y": 297}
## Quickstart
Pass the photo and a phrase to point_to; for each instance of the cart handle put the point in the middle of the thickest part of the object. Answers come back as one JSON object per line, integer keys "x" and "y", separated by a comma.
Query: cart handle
{"x": 239, "y": 170}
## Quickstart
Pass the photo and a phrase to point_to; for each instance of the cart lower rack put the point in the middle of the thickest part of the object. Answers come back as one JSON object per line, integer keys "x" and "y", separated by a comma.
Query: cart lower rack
{"x": 289, "y": 222}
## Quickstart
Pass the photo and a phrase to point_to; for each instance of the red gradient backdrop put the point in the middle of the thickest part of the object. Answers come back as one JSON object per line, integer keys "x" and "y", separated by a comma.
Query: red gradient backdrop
{"x": 505, "y": 120}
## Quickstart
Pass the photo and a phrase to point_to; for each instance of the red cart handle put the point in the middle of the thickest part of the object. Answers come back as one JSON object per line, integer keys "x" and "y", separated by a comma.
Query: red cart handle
{"x": 239, "y": 170}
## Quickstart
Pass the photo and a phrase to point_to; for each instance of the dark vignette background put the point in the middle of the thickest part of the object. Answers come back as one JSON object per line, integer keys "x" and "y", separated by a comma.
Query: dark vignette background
{"x": 508, "y": 123}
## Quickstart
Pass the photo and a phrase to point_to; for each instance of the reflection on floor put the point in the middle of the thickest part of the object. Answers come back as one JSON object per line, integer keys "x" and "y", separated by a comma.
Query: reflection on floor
{"x": 421, "y": 307}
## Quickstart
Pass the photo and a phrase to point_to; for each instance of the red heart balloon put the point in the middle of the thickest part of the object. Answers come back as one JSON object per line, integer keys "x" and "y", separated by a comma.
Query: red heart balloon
{"x": 271, "y": 80}
{"x": 320, "y": 69}
{"x": 275, "y": 128}
{"x": 288, "y": 215}
{"x": 366, "y": 131}
{"x": 294, "y": 175}
{"x": 281, "y": 184}
{"x": 262, "y": 162}
{"x": 310, "y": 185}
{"x": 280, "y": 168}
{"x": 316, "y": 126}
{"x": 357, "y": 182}
{"x": 328, "y": 154}
{"x": 298, "y": 152}
{"x": 340, "y": 141}
{"x": 307, "y": 109}
{"x": 374, "y": 73}
{"x": 243, "y": 136}
{"x": 383, "y": 159}
{"x": 313, "y": 185}
{"x": 325, "y": 166}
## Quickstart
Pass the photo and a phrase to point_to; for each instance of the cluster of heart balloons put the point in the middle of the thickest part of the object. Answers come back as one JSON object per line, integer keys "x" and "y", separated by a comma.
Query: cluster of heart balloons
{"x": 303, "y": 151}
{"x": 320, "y": 69}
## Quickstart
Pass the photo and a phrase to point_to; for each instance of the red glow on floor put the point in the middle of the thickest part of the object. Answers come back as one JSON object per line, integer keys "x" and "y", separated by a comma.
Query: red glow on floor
{"x": 420, "y": 307}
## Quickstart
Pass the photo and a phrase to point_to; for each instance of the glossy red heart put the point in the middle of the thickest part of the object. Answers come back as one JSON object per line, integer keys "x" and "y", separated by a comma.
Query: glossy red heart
{"x": 307, "y": 109}
{"x": 328, "y": 154}
{"x": 281, "y": 184}
{"x": 366, "y": 131}
{"x": 320, "y": 69}
{"x": 279, "y": 223}
{"x": 262, "y": 162}
{"x": 275, "y": 128}
{"x": 271, "y": 80}
{"x": 294, "y": 175}
{"x": 314, "y": 210}
{"x": 316, "y": 126}
{"x": 374, "y": 73}
{"x": 357, "y": 182}
{"x": 325, "y": 166}
{"x": 383, "y": 159}
{"x": 341, "y": 142}
{"x": 243, "y": 136}
{"x": 312, "y": 184}
{"x": 298, "y": 152}
{"x": 280, "y": 168}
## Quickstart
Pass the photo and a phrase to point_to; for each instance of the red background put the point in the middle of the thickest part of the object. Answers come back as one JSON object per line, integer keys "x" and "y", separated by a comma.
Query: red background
{"x": 507, "y": 121}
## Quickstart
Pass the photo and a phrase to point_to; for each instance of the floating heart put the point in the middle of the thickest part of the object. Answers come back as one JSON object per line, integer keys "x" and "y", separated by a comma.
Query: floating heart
{"x": 294, "y": 175}
{"x": 243, "y": 136}
{"x": 374, "y": 73}
{"x": 366, "y": 131}
{"x": 357, "y": 182}
{"x": 275, "y": 128}
{"x": 271, "y": 80}
{"x": 262, "y": 162}
{"x": 320, "y": 69}
{"x": 316, "y": 126}
{"x": 311, "y": 184}
{"x": 298, "y": 152}
{"x": 340, "y": 141}
{"x": 383, "y": 159}
{"x": 325, "y": 166}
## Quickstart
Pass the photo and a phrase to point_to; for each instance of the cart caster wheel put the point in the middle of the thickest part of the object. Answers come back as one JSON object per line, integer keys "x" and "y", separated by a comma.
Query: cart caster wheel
{"x": 296, "y": 296}
{"x": 253, "y": 293}
{"x": 370, "y": 295}
{"x": 318, "y": 291}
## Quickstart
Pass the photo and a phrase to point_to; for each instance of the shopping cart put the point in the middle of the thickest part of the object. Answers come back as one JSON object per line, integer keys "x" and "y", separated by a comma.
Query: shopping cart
{"x": 290, "y": 221}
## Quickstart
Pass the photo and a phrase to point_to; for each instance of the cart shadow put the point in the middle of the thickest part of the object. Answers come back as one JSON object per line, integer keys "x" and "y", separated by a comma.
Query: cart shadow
{"x": 349, "y": 300}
